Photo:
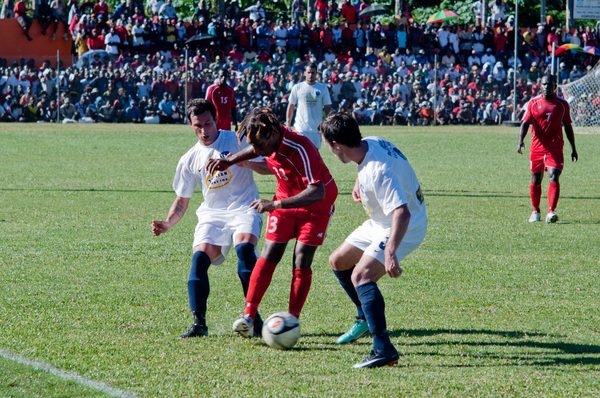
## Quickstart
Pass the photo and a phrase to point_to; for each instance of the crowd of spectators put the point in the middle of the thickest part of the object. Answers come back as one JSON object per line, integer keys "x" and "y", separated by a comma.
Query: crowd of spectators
{"x": 400, "y": 73}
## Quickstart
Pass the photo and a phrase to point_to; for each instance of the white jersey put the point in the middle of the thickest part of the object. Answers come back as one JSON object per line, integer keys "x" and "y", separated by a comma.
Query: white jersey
{"x": 309, "y": 100}
{"x": 387, "y": 181}
{"x": 230, "y": 190}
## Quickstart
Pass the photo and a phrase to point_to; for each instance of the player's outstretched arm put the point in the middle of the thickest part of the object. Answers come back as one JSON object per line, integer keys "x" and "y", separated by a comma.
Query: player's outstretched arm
{"x": 176, "y": 212}
{"x": 312, "y": 194}
{"x": 400, "y": 220}
{"x": 571, "y": 138}
{"x": 259, "y": 166}
{"x": 214, "y": 165}
{"x": 522, "y": 134}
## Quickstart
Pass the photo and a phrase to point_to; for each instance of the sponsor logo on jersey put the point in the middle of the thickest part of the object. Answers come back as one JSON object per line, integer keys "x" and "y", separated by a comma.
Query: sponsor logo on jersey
{"x": 320, "y": 235}
{"x": 311, "y": 102}
{"x": 218, "y": 179}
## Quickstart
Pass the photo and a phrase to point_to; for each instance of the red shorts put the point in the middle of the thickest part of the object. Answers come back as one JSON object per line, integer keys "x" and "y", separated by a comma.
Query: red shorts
{"x": 285, "y": 224}
{"x": 540, "y": 161}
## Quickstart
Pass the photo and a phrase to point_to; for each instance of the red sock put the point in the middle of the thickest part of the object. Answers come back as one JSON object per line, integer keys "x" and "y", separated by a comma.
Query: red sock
{"x": 553, "y": 194}
{"x": 259, "y": 283}
{"x": 535, "y": 191}
{"x": 299, "y": 291}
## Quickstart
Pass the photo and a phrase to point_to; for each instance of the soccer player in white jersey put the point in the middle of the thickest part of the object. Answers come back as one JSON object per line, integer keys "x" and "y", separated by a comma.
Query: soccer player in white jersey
{"x": 307, "y": 102}
{"x": 225, "y": 216}
{"x": 391, "y": 195}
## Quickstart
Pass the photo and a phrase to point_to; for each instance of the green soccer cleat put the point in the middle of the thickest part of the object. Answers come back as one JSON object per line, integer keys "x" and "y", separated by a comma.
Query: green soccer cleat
{"x": 358, "y": 330}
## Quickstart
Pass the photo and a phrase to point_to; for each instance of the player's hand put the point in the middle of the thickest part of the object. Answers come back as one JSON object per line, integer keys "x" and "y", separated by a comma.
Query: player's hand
{"x": 214, "y": 165}
{"x": 159, "y": 227}
{"x": 392, "y": 268}
{"x": 574, "y": 155}
{"x": 263, "y": 205}
{"x": 520, "y": 147}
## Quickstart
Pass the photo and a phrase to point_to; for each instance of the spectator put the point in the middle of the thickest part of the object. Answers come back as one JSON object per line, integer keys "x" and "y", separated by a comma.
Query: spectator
{"x": 22, "y": 18}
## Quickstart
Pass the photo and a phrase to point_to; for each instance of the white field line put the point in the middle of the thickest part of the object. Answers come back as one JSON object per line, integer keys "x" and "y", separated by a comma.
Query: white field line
{"x": 96, "y": 385}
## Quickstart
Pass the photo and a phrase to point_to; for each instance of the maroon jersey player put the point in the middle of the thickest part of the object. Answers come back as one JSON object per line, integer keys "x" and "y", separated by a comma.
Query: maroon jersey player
{"x": 223, "y": 97}
{"x": 301, "y": 209}
{"x": 547, "y": 114}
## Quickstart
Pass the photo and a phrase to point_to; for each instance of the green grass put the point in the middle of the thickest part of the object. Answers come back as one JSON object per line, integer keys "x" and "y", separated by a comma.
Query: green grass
{"x": 489, "y": 305}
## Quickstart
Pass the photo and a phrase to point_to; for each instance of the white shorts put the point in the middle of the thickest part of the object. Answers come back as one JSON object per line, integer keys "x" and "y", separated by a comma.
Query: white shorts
{"x": 371, "y": 239}
{"x": 219, "y": 228}
{"x": 313, "y": 136}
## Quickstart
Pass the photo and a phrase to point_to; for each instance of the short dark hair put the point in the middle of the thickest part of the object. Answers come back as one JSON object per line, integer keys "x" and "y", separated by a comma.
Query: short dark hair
{"x": 311, "y": 65}
{"x": 341, "y": 128}
{"x": 198, "y": 106}
{"x": 550, "y": 77}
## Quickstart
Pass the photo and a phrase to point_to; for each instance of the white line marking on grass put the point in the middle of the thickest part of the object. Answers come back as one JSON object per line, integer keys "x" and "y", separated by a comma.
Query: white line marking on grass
{"x": 96, "y": 385}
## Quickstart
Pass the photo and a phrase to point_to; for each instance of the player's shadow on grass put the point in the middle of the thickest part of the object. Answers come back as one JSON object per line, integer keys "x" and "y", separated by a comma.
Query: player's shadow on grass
{"x": 551, "y": 353}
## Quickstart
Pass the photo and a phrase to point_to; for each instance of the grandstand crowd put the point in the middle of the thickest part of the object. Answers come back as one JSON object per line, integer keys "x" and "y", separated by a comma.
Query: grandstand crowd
{"x": 399, "y": 73}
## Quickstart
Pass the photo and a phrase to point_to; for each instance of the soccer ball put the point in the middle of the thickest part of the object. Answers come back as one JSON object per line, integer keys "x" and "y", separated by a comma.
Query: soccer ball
{"x": 281, "y": 331}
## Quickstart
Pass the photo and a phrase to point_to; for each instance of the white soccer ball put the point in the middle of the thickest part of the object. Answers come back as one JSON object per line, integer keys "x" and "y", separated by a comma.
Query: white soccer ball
{"x": 281, "y": 331}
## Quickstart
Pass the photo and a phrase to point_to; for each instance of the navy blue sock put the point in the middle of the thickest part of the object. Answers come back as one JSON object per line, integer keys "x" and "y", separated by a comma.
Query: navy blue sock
{"x": 198, "y": 284}
{"x": 373, "y": 306}
{"x": 246, "y": 261}
{"x": 345, "y": 279}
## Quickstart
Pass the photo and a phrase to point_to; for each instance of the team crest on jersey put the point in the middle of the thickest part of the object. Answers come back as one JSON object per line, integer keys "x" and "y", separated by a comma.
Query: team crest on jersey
{"x": 318, "y": 93}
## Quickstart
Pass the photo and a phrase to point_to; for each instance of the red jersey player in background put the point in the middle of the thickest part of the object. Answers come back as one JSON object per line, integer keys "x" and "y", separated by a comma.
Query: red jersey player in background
{"x": 301, "y": 209}
{"x": 547, "y": 113}
{"x": 223, "y": 97}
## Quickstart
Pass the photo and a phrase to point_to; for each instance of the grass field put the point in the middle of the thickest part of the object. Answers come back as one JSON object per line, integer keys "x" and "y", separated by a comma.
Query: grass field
{"x": 489, "y": 305}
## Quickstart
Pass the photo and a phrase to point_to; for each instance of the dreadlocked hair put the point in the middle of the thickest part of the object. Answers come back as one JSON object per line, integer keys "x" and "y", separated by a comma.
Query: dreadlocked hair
{"x": 259, "y": 123}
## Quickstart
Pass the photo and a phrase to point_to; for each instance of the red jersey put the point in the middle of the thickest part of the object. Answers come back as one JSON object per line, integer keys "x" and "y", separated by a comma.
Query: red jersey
{"x": 547, "y": 118}
{"x": 223, "y": 98}
{"x": 297, "y": 164}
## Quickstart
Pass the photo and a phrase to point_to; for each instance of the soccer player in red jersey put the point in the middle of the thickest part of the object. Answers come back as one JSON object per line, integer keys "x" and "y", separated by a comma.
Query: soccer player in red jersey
{"x": 223, "y": 97}
{"x": 547, "y": 113}
{"x": 301, "y": 209}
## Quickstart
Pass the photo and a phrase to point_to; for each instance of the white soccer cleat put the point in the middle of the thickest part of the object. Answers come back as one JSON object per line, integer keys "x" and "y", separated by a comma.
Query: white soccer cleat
{"x": 244, "y": 327}
{"x": 551, "y": 217}
{"x": 535, "y": 216}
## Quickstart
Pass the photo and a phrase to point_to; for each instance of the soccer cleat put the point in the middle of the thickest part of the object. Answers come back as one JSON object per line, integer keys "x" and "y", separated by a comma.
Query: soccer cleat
{"x": 359, "y": 329}
{"x": 535, "y": 216}
{"x": 379, "y": 358}
{"x": 551, "y": 217}
{"x": 197, "y": 330}
{"x": 244, "y": 327}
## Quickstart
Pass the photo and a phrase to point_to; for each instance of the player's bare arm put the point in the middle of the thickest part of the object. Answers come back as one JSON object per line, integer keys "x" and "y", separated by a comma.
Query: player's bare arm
{"x": 289, "y": 115}
{"x": 400, "y": 220}
{"x": 257, "y": 166}
{"x": 223, "y": 164}
{"x": 356, "y": 192}
{"x": 571, "y": 138}
{"x": 178, "y": 209}
{"x": 522, "y": 134}
{"x": 312, "y": 194}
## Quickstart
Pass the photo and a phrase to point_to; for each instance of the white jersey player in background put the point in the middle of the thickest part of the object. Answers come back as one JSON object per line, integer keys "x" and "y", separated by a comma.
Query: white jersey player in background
{"x": 391, "y": 195}
{"x": 225, "y": 216}
{"x": 307, "y": 101}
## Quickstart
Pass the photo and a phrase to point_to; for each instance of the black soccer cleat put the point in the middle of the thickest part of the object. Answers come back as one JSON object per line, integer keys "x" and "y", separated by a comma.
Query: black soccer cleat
{"x": 197, "y": 330}
{"x": 379, "y": 358}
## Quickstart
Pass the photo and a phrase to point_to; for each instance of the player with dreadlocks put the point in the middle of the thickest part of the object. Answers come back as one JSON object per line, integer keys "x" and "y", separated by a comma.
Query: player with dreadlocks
{"x": 301, "y": 208}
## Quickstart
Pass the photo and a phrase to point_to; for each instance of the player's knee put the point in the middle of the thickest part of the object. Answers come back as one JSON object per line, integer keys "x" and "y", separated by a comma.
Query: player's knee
{"x": 335, "y": 261}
